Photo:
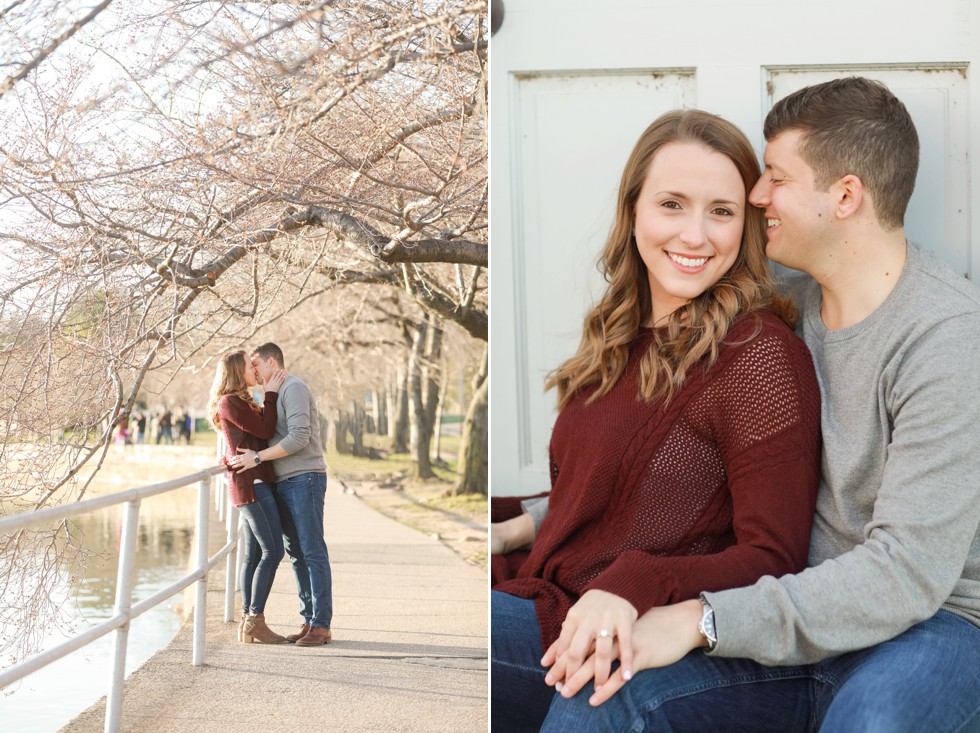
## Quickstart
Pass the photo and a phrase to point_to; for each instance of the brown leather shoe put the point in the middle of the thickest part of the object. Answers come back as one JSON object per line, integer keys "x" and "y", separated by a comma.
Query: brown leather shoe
{"x": 315, "y": 637}
{"x": 293, "y": 638}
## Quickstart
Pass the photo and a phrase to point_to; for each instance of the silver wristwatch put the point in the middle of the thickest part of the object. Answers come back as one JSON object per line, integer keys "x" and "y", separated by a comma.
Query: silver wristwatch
{"x": 707, "y": 625}
{"x": 257, "y": 459}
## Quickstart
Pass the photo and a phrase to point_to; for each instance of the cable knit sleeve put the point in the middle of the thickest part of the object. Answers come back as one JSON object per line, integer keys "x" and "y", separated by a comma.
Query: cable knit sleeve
{"x": 756, "y": 425}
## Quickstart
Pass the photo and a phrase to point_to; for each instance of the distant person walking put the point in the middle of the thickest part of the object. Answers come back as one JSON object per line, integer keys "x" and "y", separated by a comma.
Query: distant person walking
{"x": 140, "y": 428}
{"x": 301, "y": 476}
{"x": 245, "y": 424}
{"x": 185, "y": 427}
{"x": 123, "y": 435}
{"x": 165, "y": 428}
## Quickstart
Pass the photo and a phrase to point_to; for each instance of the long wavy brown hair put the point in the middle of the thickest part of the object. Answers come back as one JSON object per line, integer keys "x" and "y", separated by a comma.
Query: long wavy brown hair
{"x": 694, "y": 331}
{"x": 229, "y": 378}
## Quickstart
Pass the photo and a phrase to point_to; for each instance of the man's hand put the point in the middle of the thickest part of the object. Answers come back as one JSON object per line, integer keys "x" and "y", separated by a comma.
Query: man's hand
{"x": 592, "y": 625}
{"x": 243, "y": 462}
{"x": 661, "y": 637}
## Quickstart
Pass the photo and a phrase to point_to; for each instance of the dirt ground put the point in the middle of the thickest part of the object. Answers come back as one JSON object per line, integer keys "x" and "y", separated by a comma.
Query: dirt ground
{"x": 458, "y": 522}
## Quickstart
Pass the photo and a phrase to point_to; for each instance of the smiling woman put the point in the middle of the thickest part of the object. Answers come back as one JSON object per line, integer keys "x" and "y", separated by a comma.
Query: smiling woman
{"x": 688, "y": 223}
{"x": 686, "y": 453}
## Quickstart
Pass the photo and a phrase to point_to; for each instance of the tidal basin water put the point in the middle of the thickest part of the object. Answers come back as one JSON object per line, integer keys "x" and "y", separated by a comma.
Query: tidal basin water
{"x": 48, "y": 699}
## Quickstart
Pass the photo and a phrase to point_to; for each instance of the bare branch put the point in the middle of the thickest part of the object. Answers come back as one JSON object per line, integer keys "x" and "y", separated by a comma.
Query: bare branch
{"x": 44, "y": 53}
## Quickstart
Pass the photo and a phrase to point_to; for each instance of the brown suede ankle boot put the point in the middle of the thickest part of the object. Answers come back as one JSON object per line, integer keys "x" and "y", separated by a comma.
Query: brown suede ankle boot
{"x": 256, "y": 630}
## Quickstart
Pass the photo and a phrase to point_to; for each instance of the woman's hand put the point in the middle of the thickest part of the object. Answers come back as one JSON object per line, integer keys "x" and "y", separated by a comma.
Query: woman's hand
{"x": 511, "y": 534}
{"x": 661, "y": 637}
{"x": 593, "y": 626}
{"x": 274, "y": 382}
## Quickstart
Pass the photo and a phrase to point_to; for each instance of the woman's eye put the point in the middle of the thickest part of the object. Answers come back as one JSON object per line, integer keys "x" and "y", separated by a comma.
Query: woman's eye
{"x": 671, "y": 204}
{"x": 722, "y": 211}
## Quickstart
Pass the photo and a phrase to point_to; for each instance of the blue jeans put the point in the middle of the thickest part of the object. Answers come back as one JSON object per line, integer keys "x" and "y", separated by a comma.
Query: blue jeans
{"x": 519, "y": 698}
{"x": 301, "y": 501}
{"x": 926, "y": 679}
{"x": 263, "y": 549}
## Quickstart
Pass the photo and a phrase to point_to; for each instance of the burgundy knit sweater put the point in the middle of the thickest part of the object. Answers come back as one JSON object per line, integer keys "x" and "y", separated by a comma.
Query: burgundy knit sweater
{"x": 244, "y": 427}
{"x": 657, "y": 503}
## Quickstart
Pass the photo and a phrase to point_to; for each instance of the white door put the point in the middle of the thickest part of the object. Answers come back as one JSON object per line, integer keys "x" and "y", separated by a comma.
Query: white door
{"x": 571, "y": 90}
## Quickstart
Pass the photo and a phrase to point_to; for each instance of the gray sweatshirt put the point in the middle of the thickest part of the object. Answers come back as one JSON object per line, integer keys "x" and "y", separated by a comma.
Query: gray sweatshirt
{"x": 297, "y": 431}
{"x": 895, "y": 536}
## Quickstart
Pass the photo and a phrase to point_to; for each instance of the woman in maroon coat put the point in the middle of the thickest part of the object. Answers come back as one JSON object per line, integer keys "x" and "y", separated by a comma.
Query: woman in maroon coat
{"x": 246, "y": 424}
{"x": 685, "y": 457}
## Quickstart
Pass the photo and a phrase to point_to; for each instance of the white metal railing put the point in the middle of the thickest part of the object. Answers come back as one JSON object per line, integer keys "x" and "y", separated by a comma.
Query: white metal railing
{"x": 124, "y": 609}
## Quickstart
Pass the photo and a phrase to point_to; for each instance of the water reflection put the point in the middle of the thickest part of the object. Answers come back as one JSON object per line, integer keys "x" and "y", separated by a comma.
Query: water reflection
{"x": 51, "y": 697}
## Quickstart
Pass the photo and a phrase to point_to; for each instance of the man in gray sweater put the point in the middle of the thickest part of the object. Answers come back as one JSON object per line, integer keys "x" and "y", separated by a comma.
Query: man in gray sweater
{"x": 301, "y": 485}
{"x": 882, "y": 632}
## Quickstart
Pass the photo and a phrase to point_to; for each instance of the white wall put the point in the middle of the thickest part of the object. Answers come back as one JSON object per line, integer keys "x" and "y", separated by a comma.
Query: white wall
{"x": 572, "y": 89}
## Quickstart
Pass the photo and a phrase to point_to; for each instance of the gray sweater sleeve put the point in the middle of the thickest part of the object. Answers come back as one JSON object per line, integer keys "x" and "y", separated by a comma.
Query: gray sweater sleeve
{"x": 538, "y": 509}
{"x": 295, "y": 402}
{"x": 896, "y": 532}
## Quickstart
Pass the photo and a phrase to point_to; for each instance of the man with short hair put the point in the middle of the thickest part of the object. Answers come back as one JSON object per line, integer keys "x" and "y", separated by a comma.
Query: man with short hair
{"x": 882, "y": 632}
{"x": 301, "y": 485}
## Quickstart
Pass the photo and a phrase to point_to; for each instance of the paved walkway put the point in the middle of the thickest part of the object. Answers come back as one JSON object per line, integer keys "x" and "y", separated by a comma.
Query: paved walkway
{"x": 409, "y": 651}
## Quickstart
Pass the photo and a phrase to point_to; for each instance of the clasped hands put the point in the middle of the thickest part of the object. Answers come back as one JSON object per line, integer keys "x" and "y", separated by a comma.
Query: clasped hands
{"x": 602, "y": 627}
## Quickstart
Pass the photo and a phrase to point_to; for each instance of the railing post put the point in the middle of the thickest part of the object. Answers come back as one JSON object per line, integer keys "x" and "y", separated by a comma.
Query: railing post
{"x": 124, "y": 601}
{"x": 125, "y": 609}
{"x": 222, "y": 498}
{"x": 231, "y": 564}
{"x": 221, "y": 495}
{"x": 200, "y": 604}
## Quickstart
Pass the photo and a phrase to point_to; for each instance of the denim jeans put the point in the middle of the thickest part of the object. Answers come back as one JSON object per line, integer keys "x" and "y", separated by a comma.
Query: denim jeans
{"x": 519, "y": 698}
{"x": 301, "y": 501}
{"x": 263, "y": 549}
{"x": 926, "y": 679}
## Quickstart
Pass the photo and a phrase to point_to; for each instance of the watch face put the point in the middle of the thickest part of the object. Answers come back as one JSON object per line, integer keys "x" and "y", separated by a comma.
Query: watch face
{"x": 707, "y": 626}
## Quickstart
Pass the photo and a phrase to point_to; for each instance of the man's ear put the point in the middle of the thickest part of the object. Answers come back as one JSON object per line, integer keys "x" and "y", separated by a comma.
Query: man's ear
{"x": 849, "y": 196}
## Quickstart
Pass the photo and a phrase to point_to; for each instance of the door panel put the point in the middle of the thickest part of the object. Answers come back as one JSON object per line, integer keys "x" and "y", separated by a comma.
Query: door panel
{"x": 562, "y": 200}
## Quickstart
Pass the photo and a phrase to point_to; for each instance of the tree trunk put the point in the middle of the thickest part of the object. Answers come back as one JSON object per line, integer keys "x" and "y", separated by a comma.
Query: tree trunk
{"x": 379, "y": 406}
{"x": 472, "y": 471}
{"x": 424, "y": 394}
{"x": 324, "y": 431}
{"x": 400, "y": 425}
{"x": 391, "y": 408}
{"x": 340, "y": 434}
{"x": 355, "y": 426}
{"x": 437, "y": 422}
